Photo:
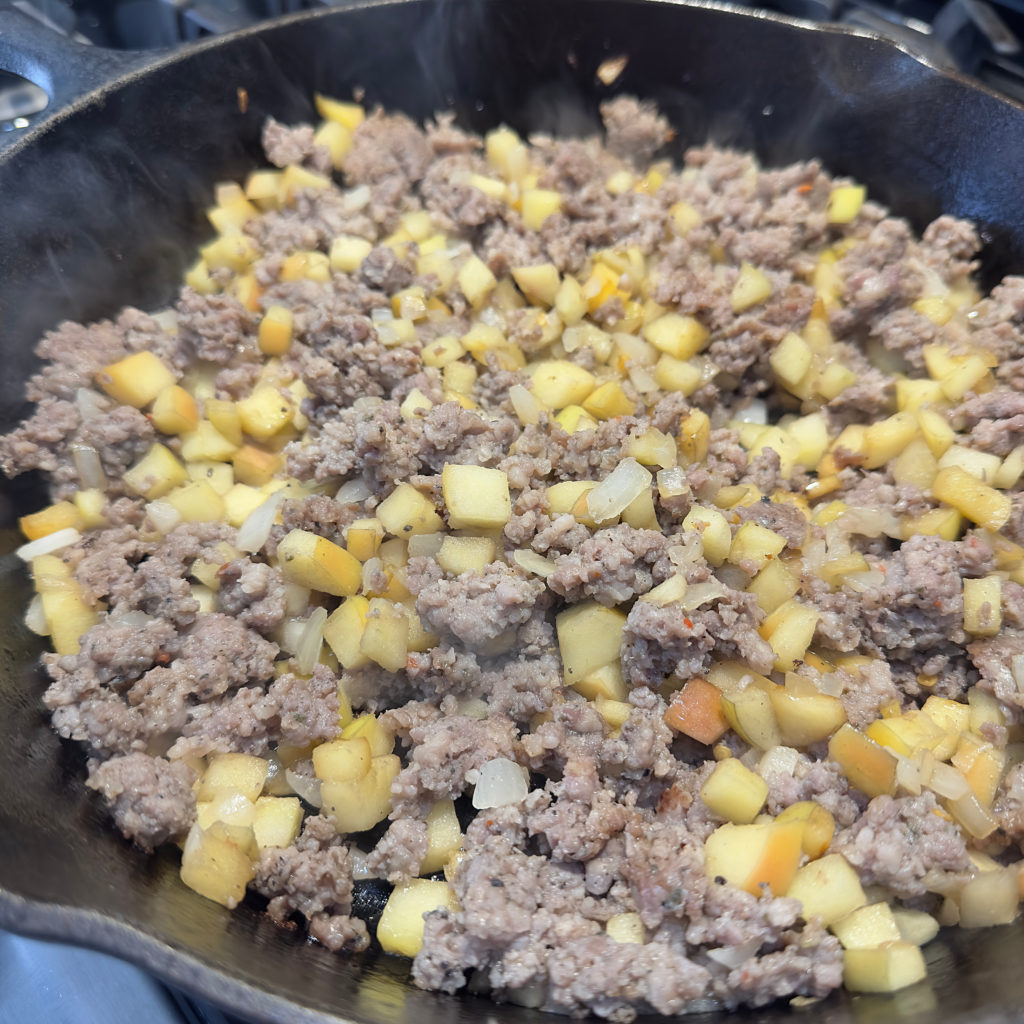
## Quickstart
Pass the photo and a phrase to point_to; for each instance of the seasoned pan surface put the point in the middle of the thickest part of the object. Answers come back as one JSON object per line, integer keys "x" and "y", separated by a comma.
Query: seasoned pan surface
{"x": 101, "y": 207}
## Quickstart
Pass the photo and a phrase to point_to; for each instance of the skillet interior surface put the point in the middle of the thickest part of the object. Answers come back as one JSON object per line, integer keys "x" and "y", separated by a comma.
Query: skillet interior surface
{"x": 102, "y": 207}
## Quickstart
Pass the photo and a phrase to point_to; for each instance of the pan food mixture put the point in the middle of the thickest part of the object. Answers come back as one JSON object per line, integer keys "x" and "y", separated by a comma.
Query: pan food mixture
{"x": 623, "y": 561}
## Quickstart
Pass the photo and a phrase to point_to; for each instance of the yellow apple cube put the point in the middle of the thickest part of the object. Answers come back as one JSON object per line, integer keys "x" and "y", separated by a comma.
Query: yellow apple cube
{"x": 753, "y": 857}
{"x": 589, "y": 637}
{"x": 319, "y": 564}
{"x": 734, "y": 792}
{"x": 158, "y": 472}
{"x": 406, "y": 512}
{"x": 476, "y": 497}
{"x": 135, "y": 380}
{"x": 277, "y": 821}
{"x": 401, "y": 924}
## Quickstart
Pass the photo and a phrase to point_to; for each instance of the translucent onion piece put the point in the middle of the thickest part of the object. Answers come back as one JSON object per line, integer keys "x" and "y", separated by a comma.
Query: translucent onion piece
{"x": 524, "y": 404}
{"x": 672, "y": 483}
{"x": 353, "y": 492}
{"x": 276, "y": 784}
{"x": 492, "y": 317}
{"x": 972, "y": 816}
{"x": 754, "y": 412}
{"x": 613, "y": 495}
{"x": 869, "y": 522}
{"x": 499, "y": 782}
{"x": 862, "y": 582}
{"x": 255, "y": 530}
{"x": 533, "y": 562}
{"x": 371, "y": 567}
{"x": 134, "y": 618}
{"x": 356, "y": 199}
{"x": 946, "y": 781}
{"x": 35, "y": 618}
{"x": 701, "y": 593}
{"x": 425, "y": 545}
{"x": 48, "y": 544}
{"x": 1017, "y": 669}
{"x": 831, "y": 684}
{"x": 473, "y": 707}
{"x": 307, "y": 651}
{"x": 90, "y": 403}
{"x": 305, "y": 786}
{"x": 289, "y": 634}
{"x": 381, "y": 315}
{"x": 357, "y": 862}
{"x": 168, "y": 320}
{"x": 908, "y": 775}
{"x": 89, "y": 467}
{"x": 733, "y": 956}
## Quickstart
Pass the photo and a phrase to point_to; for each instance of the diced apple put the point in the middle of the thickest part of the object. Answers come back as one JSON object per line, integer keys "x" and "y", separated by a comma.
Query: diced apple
{"x": 406, "y": 512}
{"x": 869, "y": 767}
{"x": 158, "y": 472}
{"x": 356, "y": 805}
{"x": 844, "y": 203}
{"x": 983, "y": 605}
{"x": 538, "y": 205}
{"x": 734, "y": 792}
{"x": 558, "y": 383}
{"x": 315, "y": 562}
{"x": 475, "y": 280}
{"x": 401, "y": 926}
{"x": 216, "y": 866}
{"x": 715, "y": 535}
{"x": 135, "y": 380}
{"x": 975, "y": 500}
{"x": 867, "y": 927}
{"x": 989, "y": 898}
{"x": 363, "y": 538}
{"x": 752, "y": 287}
{"x": 627, "y": 927}
{"x": 275, "y": 331}
{"x": 696, "y": 710}
{"x": 589, "y": 637}
{"x": 789, "y": 631}
{"x": 444, "y": 836}
{"x": 266, "y": 411}
{"x": 608, "y": 400}
{"x": 61, "y": 515}
{"x": 346, "y": 113}
{"x": 241, "y": 773}
{"x": 342, "y": 760}
{"x": 750, "y": 714}
{"x": 915, "y": 926}
{"x": 174, "y": 411}
{"x": 385, "y": 638}
{"x": 539, "y": 283}
{"x": 681, "y": 337}
{"x": 694, "y": 437}
{"x": 465, "y": 554}
{"x": 476, "y": 497}
{"x": 773, "y": 586}
{"x": 277, "y": 822}
{"x": 829, "y": 888}
{"x": 886, "y": 968}
{"x": 817, "y": 823}
{"x": 369, "y": 728}
{"x": 754, "y": 856}
{"x": 754, "y": 544}
{"x": 806, "y": 718}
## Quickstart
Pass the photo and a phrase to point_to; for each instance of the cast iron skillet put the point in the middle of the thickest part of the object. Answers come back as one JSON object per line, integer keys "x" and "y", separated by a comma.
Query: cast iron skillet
{"x": 101, "y": 205}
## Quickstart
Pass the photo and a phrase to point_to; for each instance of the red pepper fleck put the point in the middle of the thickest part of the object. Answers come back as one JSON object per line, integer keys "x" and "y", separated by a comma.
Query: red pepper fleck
{"x": 688, "y": 622}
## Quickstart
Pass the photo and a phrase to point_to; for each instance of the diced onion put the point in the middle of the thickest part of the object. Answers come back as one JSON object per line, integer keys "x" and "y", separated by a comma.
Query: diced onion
{"x": 672, "y": 483}
{"x": 358, "y": 865}
{"x": 862, "y": 582}
{"x": 90, "y": 403}
{"x": 972, "y": 816}
{"x": 754, "y": 412}
{"x": 1017, "y": 670}
{"x": 701, "y": 593}
{"x": 255, "y": 530}
{"x": 425, "y": 545}
{"x": 869, "y": 522}
{"x": 908, "y": 775}
{"x": 134, "y": 618}
{"x": 533, "y": 562}
{"x": 524, "y": 404}
{"x": 296, "y": 599}
{"x": 831, "y": 684}
{"x": 473, "y": 707}
{"x": 353, "y": 492}
{"x": 381, "y": 315}
{"x": 304, "y": 786}
{"x": 492, "y": 317}
{"x": 946, "y": 781}
{"x": 733, "y": 956}
{"x": 356, "y": 199}
{"x": 499, "y": 782}
{"x": 48, "y": 544}
{"x": 35, "y": 617}
{"x": 89, "y": 467}
{"x": 307, "y": 650}
{"x": 613, "y": 495}
{"x": 167, "y": 319}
